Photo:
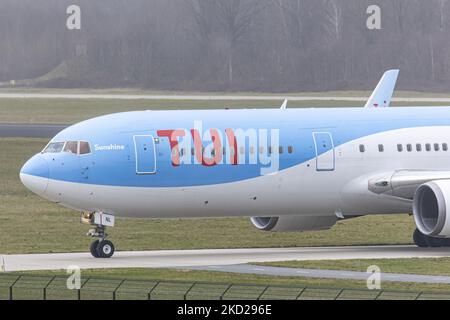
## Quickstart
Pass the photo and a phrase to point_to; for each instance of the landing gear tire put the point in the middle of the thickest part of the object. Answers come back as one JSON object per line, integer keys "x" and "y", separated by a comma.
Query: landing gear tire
{"x": 423, "y": 241}
{"x": 435, "y": 242}
{"x": 105, "y": 249}
{"x": 446, "y": 242}
{"x": 420, "y": 239}
{"x": 94, "y": 246}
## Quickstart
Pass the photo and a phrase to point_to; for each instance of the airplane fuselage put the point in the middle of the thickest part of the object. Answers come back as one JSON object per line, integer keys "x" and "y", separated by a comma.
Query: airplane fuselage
{"x": 164, "y": 164}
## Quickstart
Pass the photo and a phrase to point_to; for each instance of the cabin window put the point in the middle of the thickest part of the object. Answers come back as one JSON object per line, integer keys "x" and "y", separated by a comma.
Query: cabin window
{"x": 290, "y": 149}
{"x": 85, "y": 148}
{"x": 252, "y": 150}
{"x": 444, "y": 147}
{"x": 381, "y": 148}
{"x": 436, "y": 147}
{"x": 280, "y": 150}
{"x": 409, "y": 147}
{"x": 192, "y": 151}
{"x": 242, "y": 150}
{"x": 270, "y": 150}
{"x": 71, "y": 147}
{"x": 400, "y": 147}
{"x": 428, "y": 147}
{"x": 418, "y": 147}
{"x": 362, "y": 148}
{"x": 261, "y": 150}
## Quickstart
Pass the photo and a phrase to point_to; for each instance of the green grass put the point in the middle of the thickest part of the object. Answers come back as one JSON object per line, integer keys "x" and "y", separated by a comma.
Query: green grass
{"x": 139, "y": 91}
{"x": 428, "y": 266}
{"x": 68, "y": 111}
{"x": 30, "y": 224}
{"x": 180, "y": 275}
{"x": 75, "y": 110}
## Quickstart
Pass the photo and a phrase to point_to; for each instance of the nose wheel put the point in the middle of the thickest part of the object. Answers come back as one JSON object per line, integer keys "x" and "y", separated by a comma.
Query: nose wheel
{"x": 100, "y": 248}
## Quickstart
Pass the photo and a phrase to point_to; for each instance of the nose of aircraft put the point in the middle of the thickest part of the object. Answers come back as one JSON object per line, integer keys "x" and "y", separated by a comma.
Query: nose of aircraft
{"x": 34, "y": 174}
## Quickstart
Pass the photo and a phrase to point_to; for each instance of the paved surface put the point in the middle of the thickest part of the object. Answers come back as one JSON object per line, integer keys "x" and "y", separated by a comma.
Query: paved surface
{"x": 323, "y": 274}
{"x": 201, "y": 97}
{"x": 172, "y": 97}
{"x": 30, "y": 130}
{"x": 211, "y": 257}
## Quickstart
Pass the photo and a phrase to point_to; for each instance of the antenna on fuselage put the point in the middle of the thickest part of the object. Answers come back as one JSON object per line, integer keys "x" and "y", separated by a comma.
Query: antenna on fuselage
{"x": 284, "y": 105}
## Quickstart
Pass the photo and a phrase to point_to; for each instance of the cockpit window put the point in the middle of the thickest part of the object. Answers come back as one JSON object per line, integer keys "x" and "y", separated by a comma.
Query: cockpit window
{"x": 71, "y": 147}
{"x": 54, "y": 147}
{"x": 84, "y": 147}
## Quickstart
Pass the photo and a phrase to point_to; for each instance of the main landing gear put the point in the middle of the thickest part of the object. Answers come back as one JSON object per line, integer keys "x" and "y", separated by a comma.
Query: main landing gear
{"x": 424, "y": 241}
{"x": 100, "y": 248}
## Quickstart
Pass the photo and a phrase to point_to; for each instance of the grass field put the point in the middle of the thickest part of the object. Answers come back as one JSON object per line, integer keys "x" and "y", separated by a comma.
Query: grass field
{"x": 228, "y": 278}
{"x": 71, "y": 111}
{"x": 428, "y": 266}
{"x": 139, "y": 91}
{"x": 31, "y": 224}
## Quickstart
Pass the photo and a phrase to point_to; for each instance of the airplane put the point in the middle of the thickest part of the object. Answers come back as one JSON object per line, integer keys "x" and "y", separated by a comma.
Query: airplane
{"x": 286, "y": 169}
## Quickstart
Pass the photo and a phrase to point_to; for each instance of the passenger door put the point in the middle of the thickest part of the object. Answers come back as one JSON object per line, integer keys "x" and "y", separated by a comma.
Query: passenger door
{"x": 145, "y": 152}
{"x": 325, "y": 157}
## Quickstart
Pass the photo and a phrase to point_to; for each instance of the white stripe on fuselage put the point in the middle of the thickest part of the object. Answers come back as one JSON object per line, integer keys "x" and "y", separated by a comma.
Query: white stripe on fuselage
{"x": 294, "y": 191}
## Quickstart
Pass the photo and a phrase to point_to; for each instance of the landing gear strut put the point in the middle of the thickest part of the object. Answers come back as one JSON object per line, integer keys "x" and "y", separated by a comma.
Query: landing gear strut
{"x": 100, "y": 248}
{"x": 424, "y": 241}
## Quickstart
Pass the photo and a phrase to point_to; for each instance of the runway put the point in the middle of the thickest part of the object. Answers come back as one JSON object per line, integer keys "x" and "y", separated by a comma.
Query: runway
{"x": 211, "y": 257}
{"x": 15, "y": 130}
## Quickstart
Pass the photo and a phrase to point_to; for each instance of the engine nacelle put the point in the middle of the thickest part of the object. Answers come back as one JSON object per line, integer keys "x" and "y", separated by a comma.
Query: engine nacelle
{"x": 431, "y": 208}
{"x": 294, "y": 223}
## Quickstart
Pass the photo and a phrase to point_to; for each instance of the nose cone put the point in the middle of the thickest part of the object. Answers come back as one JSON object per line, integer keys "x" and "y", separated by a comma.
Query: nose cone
{"x": 34, "y": 174}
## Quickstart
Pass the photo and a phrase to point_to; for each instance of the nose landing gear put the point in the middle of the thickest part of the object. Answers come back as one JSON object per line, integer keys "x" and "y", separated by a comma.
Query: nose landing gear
{"x": 100, "y": 248}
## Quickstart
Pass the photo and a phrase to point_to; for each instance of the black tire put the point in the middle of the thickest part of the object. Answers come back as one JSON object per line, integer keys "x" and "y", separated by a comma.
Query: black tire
{"x": 420, "y": 239}
{"x": 434, "y": 242}
{"x": 446, "y": 242}
{"x": 105, "y": 249}
{"x": 93, "y": 248}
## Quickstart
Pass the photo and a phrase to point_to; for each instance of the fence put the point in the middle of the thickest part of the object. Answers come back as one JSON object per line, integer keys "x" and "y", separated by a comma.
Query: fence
{"x": 26, "y": 287}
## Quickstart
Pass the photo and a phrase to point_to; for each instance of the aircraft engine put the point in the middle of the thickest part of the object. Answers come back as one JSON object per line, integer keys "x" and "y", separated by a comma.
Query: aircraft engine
{"x": 294, "y": 223}
{"x": 431, "y": 208}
